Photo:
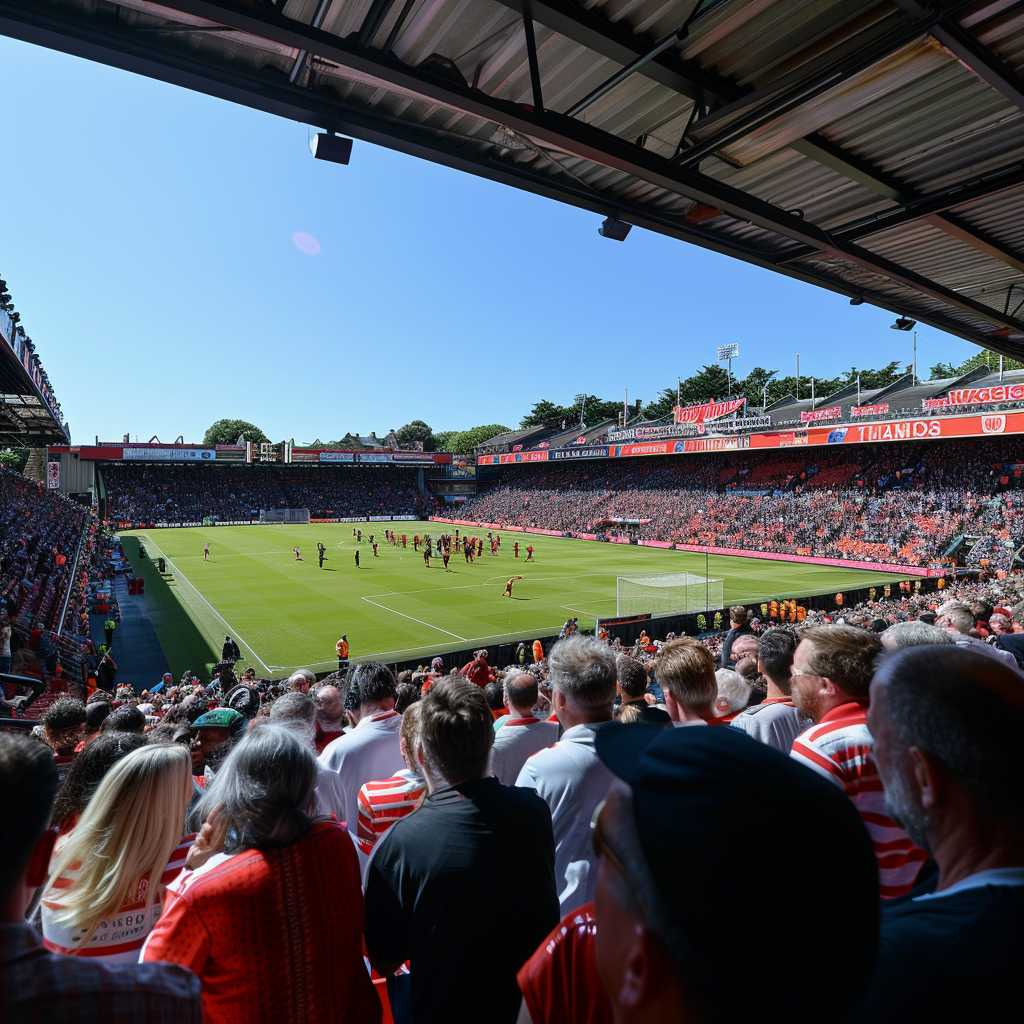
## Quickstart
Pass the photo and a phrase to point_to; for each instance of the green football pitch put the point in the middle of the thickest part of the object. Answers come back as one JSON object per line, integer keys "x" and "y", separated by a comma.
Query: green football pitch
{"x": 286, "y": 613}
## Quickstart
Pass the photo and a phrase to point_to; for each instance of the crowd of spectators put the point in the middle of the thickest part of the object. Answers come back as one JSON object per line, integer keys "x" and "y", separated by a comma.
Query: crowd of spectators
{"x": 173, "y": 493}
{"x": 50, "y": 554}
{"x": 900, "y": 503}
{"x": 585, "y": 835}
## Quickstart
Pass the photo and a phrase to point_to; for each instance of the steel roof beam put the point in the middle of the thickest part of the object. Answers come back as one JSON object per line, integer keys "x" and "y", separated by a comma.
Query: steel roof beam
{"x": 1002, "y": 180}
{"x": 617, "y": 42}
{"x": 982, "y": 61}
{"x": 970, "y": 51}
{"x": 830, "y": 72}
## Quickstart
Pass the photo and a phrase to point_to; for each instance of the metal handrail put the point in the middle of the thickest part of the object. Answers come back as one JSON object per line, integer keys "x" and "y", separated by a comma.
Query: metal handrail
{"x": 72, "y": 576}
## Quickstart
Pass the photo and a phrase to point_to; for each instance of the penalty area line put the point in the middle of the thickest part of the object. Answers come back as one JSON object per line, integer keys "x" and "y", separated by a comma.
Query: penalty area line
{"x": 412, "y": 618}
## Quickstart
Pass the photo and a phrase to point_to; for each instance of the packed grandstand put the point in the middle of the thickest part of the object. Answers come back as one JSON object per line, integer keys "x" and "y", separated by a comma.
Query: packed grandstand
{"x": 594, "y": 823}
{"x": 343, "y": 782}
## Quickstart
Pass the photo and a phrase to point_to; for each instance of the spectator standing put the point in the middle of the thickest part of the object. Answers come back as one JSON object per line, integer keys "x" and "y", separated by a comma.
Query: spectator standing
{"x": 87, "y": 772}
{"x": 383, "y": 803}
{"x": 733, "y": 694}
{"x": 674, "y": 840}
{"x": 776, "y": 720}
{"x": 216, "y": 732}
{"x": 106, "y": 672}
{"x": 913, "y": 634}
{"x": 330, "y": 715}
{"x": 958, "y": 621}
{"x": 301, "y": 680}
{"x": 229, "y": 651}
{"x": 478, "y": 670}
{"x": 947, "y": 726}
{"x": 569, "y": 777}
{"x": 36, "y": 985}
{"x": 832, "y": 670}
{"x": 97, "y": 709}
{"x": 738, "y": 626}
{"x": 431, "y": 879}
{"x": 109, "y": 625}
{"x": 62, "y": 726}
{"x": 1006, "y": 639}
{"x": 631, "y": 686}
{"x": 372, "y": 750}
{"x": 560, "y": 983}
{"x": 685, "y": 670}
{"x": 520, "y": 734}
{"x": 108, "y": 875}
{"x": 270, "y": 914}
{"x": 297, "y": 711}
{"x": 126, "y": 718}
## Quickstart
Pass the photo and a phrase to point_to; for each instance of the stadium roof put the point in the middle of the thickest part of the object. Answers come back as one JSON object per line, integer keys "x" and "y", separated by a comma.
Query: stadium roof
{"x": 873, "y": 148}
{"x": 29, "y": 414}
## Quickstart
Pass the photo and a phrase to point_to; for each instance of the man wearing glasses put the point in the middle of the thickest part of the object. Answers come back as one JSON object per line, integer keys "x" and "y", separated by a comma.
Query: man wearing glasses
{"x": 832, "y": 670}
{"x": 668, "y": 936}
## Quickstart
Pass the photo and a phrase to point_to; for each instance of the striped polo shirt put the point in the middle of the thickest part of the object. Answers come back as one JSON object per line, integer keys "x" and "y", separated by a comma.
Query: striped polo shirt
{"x": 839, "y": 748}
{"x": 381, "y": 804}
{"x": 119, "y": 937}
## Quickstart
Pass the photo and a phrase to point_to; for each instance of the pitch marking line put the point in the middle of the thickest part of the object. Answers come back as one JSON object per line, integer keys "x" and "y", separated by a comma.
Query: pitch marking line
{"x": 231, "y": 629}
{"x": 492, "y": 580}
{"x": 582, "y": 611}
{"x": 413, "y": 618}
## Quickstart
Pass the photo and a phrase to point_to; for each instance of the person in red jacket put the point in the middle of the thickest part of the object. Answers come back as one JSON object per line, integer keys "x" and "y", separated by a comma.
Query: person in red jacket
{"x": 248, "y": 915}
{"x": 478, "y": 671}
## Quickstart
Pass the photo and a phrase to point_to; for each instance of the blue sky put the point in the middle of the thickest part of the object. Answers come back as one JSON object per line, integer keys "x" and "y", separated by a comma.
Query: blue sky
{"x": 148, "y": 241}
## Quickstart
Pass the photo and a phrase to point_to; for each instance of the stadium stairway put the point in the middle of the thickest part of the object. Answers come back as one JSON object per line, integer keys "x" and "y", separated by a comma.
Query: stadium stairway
{"x": 140, "y": 659}
{"x": 35, "y": 465}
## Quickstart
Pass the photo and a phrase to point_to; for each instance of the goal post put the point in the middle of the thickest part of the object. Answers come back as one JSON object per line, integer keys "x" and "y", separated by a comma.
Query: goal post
{"x": 665, "y": 593}
{"x": 284, "y": 515}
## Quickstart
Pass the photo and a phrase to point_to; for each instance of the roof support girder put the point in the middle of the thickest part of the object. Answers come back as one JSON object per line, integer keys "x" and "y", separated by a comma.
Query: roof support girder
{"x": 982, "y": 61}
{"x": 779, "y": 100}
{"x": 971, "y": 52}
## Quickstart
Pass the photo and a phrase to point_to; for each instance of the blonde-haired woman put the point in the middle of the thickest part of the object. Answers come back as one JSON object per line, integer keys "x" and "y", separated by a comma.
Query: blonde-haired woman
{"x": 108, "y": 875}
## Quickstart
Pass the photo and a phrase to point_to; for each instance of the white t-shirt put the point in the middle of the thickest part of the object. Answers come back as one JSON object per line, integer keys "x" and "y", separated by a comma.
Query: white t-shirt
{"x": 5, "y": 641}
{"x": 775, "y": 721}
{"x": 367, "y": 753}
{"x": 572, "y": 781}
{"x": 517, "y": 738}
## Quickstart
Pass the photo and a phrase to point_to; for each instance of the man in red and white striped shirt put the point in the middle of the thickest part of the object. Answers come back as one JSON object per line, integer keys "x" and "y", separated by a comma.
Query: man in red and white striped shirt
{"x": 832, "y": 671}
{"x": 381, "y": 804}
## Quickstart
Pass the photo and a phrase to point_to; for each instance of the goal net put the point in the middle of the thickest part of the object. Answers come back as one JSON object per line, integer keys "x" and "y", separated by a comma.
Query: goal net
{"x": 284, "y": 515}
{"x": 665, "y": 593}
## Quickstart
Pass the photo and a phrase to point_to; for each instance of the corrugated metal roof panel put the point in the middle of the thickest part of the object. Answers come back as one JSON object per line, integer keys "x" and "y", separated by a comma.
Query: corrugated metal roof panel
{"x": 899, "y": 121}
